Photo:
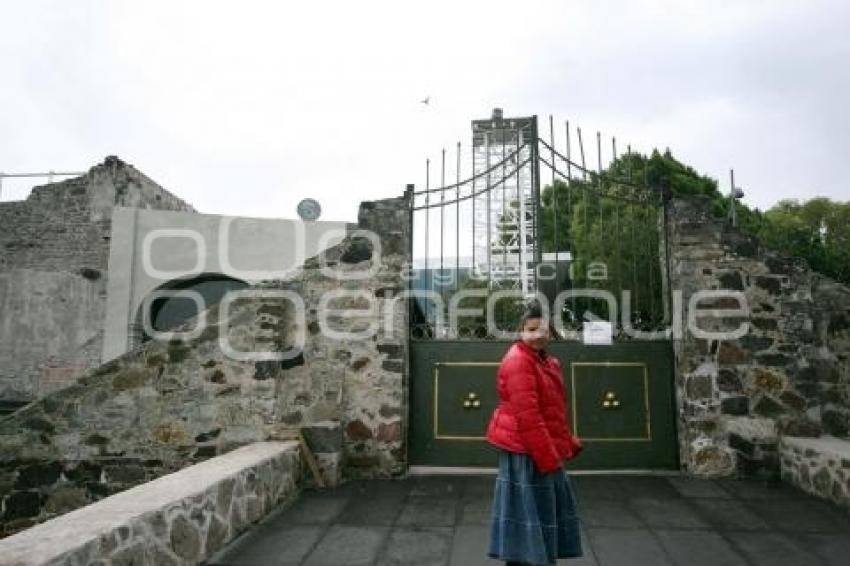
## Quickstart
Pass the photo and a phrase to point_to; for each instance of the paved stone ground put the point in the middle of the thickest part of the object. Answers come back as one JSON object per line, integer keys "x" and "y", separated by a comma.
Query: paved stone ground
{"x": 627, "y": 520}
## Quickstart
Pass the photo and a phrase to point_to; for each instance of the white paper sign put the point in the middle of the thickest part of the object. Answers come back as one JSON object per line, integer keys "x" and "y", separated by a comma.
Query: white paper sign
{"x": 598, "y": 333}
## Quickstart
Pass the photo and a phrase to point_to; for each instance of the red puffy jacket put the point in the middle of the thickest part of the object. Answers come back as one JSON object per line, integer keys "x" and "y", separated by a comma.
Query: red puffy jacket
{"x": 531, "y": 416}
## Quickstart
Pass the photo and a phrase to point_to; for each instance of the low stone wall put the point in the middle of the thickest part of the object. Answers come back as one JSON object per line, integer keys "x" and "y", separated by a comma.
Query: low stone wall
{"x": 34, "y": 491}
{"x": 181, "y": 518}
{"x": 819, "y": 466}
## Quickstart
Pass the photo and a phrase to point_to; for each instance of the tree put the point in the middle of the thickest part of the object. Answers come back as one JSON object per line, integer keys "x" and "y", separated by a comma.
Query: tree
{"x": 817, "y": 230}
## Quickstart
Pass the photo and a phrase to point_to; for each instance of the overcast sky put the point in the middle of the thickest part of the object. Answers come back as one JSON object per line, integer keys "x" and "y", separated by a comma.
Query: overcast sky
{"x": 244, "y": 108}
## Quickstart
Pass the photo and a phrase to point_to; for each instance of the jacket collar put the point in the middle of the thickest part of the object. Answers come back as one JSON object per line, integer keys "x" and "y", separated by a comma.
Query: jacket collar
{"x": 537, "y": 354}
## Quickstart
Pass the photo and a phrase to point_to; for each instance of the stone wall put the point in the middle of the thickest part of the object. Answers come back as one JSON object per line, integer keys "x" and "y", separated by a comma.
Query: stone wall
{"x": 788, "y": 375}
{"x": 819, "y": 466}
{"x": 167, "y": 405}
{"x": 183, "y": 518}
{"x": 54, "y": 251}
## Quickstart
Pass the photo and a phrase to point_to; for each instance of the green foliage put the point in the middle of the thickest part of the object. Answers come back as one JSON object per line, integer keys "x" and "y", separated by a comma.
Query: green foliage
{"x": 613, "y": 238}
{"x": 596, "y": 223}
{"x": 817, "y": 230}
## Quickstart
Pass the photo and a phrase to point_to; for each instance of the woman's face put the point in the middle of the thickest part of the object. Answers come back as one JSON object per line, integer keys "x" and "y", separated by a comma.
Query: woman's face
{"x": 535, "y": 333}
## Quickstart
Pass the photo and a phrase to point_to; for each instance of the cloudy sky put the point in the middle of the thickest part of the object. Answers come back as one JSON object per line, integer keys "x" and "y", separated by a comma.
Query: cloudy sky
{"x": 246, "y": 107}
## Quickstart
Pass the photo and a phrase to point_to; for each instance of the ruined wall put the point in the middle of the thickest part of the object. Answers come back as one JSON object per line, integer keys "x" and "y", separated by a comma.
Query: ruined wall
{"x": 54, "y": 250}
{"x": 164, "y": 406}
{"x": 789, "y": 375}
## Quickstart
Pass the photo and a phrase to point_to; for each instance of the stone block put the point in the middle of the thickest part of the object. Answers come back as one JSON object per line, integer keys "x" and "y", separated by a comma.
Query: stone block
{"x": 836, "y": 421}
{"x": 324, "y": 437}
{"x": 700, "y": 387}
{"x": 767, "y": 406}
{"x": 731, "y": 354}
{"x": 755, "y": 343}
{"x": 729, "y": 381}
{"x": 21, "y": 504}
{"x": 731, "y": 280}
{"x": 357, "y": 430}
{"x": 38, "y": 474}
{"x": 65, "y": 499}
{"x": 766, "y": 380}
{"x": 799, "y": 427}
{"x": 736, "y": 405}
{"x": 772, "y": 285}
{"x": 742, "y": 445}
{"x": 774, "y": 359}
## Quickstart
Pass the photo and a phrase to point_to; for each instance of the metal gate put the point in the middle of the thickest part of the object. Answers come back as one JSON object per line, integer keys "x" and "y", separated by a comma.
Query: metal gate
{"x": 588, "y": 246}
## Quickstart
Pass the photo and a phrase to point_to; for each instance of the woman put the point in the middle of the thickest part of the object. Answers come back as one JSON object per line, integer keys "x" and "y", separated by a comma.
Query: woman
{"x": 533, "y": 519}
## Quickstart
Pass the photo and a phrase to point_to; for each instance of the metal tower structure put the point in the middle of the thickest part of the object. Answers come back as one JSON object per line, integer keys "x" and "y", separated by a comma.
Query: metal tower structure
{"x": 505, "y": 205}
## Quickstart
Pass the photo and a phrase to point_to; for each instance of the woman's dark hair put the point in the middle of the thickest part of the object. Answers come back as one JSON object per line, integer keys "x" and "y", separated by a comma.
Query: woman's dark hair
{"x": 534, "y": 310}
{"x": 531, "y": 310}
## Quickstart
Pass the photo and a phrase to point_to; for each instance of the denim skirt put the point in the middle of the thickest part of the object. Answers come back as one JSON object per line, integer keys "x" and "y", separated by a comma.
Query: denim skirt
{"x": 534, "y": 516}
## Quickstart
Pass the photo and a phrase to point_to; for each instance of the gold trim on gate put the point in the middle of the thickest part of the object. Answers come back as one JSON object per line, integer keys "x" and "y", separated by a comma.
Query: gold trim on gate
{"x": 437, "y": 435}
{"x": 573, "y": 365}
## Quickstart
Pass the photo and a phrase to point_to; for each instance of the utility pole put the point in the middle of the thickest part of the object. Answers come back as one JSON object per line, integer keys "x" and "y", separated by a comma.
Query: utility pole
{"x": 735, "y": 194}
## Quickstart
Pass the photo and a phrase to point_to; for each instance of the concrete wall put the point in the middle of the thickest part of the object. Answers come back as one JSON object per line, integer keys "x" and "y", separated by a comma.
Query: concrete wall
{"x": 249, "y": 249}
{"x": 54, "y": 249}
{"x": 790, "y": 373}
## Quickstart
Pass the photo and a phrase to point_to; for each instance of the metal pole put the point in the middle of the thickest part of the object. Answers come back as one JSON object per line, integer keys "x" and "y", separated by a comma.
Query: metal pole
{"x": 555, "y": 237}
{"x": 634, "y": 261}
{"x": 522, "y": 242}
{"x": 442, "y": 220}
{"x": 473, "y": 199}
{"x": 538, "y": 206}
{"x": 457, "y": 221}
{"x": 504, "y": 205}
{"x": 650, "y": 265}
{"x": 581, "y": 148}
{"x": 619, "y": 254}
{"x": 599, "y": 181}
{"x": 614, "y": 148}
{"x": 428, "y": 280}
{"x": 489, "y": 233}
{"x": 598, "y": 153}
{"x": 521, "y": 225}
{"x": 569, "y": 158}
{"x": 733, "y": 217}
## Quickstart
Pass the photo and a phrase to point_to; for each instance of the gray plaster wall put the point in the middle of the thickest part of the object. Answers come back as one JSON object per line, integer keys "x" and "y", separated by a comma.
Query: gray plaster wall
{"x": 788, "y": 375}
{"x": 152, "y": 248}
{"x": 54, "y": 250}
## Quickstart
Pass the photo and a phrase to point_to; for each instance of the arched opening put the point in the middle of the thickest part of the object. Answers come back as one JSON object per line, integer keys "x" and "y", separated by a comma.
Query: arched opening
{"x": 166, "y": 313}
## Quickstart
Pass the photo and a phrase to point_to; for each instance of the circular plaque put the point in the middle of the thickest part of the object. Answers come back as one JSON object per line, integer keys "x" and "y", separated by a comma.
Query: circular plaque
{"x": 309, "y": 209}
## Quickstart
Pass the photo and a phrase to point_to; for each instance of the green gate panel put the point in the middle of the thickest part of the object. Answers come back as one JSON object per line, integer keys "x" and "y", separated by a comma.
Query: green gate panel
{"x": 465, "y": 398}
{"x": 611, "y": 401}
{"x": 620, "y": 402}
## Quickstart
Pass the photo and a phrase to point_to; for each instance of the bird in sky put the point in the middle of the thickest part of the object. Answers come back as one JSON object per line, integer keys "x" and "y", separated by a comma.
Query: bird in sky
{"x": 426, "y": 100}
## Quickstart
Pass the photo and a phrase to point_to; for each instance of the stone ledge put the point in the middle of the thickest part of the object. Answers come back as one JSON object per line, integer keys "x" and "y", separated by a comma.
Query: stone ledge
{"x": 819, "y": 466}
{"x": 181, "y": 518}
